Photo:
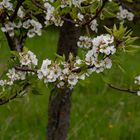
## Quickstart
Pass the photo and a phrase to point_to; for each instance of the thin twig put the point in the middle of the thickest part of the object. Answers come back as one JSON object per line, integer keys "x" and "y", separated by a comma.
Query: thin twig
{"x": 38, "y": 5}
{"x": 123, "y": 89}
{"x": 97, "y": 13}
{"x": 25, "y": 69}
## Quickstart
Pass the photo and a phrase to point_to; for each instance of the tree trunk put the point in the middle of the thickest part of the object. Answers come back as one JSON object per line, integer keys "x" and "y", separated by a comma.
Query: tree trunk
{"x": 60, "y": 99}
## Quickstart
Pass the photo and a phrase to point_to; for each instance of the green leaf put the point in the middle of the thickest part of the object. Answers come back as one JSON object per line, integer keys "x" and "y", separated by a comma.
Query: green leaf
{"x": 108, "y": 30}
{"x": 73, "y": 13}
{"x": 60, "y": 57}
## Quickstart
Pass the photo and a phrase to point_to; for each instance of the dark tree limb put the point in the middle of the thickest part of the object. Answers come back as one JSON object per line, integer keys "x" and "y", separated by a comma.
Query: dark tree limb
{"x": 131, "y": 91}
{"x": 15, "y": 43}
{"x": 10, "y": 41}
{"x": 25, "y": 69}
{"x": 69, "y": 35}
{"x": 19, "y": 3}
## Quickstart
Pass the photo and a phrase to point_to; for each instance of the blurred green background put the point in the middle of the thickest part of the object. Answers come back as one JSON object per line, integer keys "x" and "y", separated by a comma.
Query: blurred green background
{"x": 98, "y": 112}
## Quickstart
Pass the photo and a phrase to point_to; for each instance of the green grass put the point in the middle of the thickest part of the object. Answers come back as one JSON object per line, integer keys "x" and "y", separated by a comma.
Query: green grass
{"x": 98, "y": 112}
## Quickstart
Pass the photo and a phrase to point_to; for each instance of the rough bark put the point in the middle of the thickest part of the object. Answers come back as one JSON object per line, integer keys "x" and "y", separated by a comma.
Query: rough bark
{"x": 58, "y": 115}
{"x": 60, "y": 99}
{"x": 69, "y": 35}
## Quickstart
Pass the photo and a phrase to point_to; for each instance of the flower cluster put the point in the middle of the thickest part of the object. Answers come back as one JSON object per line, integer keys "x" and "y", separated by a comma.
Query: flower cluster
{"x": 63, "y": 73}
{"x": 28, "y": 59}
{"x": 33, "y": 27}
{"x": 50, "y": 71}
{"x": 60, "y": 73}
{"x": 105, "y": 43}
{"x": 99, "y": 50}
{"x": 13, "y": 75}
{"x": 10, "y": 26}
{"x": 51, "y": 15}
{"x": 67, "y": 72}
{"x": 124, "y": 14}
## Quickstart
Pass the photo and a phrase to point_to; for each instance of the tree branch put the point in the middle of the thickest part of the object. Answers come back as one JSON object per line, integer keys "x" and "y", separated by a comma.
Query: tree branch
{"x": 4, "y": 101}
{"x": 78, "y": 70}
{"x": 123, "y": 89}
{"x": 19, "y": 3}
{"x": 10, "y": 41}
{"x": 25, "y": 69}
{"x": 38, "y": 5}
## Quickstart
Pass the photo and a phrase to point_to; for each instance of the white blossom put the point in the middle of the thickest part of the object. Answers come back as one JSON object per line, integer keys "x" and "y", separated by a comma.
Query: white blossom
{"x": 125, "y": 14}
{"x": 72, "y": 79}
{"x": 44, "y": 68}
{"x": 138, "y": 93}
{"x": 40, "y": 74}
{"x": 84, "y": 42}
{"x": 137, "y": 80}
{"x": 55, "y": 72}
{"x": 90, "y": 59}
{"x": 26, "y": 24}
{"x": 33, "y": 58}
{"x": 94, "y": 25}
{"x": 108, "y": 63}
{"x": 21, "y": 12}
{"x": 103, "y": 44}
{"x": 2, "y": 82}
{"x": 35, "y": 27}
{"x": 80, "y": 16}
{"x": 9, "y": 28}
